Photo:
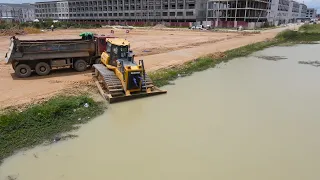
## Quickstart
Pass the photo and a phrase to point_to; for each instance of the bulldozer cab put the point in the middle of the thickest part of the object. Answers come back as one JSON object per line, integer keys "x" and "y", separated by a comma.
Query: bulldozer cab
{"x": 119, "y": 51}
{"x": 119, "y": 77}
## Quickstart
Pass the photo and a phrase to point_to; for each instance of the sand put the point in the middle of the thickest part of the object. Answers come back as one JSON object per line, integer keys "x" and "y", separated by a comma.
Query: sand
{"x": 158, "y": 48}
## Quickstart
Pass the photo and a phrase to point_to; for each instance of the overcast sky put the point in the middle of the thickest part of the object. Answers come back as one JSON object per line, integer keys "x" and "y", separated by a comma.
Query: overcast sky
{"x": 309, "y": 3}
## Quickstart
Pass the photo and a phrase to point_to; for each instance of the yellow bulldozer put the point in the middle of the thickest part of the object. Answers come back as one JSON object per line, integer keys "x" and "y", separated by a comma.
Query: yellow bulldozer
{"x": 119, "y": 77}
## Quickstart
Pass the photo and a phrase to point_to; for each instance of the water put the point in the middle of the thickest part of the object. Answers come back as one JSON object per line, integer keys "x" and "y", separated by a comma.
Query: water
{"x": 249, "y": 119}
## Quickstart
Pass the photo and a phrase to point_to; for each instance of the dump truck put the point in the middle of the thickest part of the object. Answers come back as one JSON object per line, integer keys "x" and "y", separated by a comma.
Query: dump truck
{"x": 42, "y": 56}
{"x": 119, "y": 77}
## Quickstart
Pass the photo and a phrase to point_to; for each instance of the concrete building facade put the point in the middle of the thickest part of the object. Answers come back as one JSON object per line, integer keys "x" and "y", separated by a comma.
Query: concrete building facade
{"x": 217, "y": 11}
{"x": 17, "y": 12}
{"x": 302, "y": 11}
{"x": 286, "y": 11}
{"x": 122, "y": 10}
{"x": 311, "y": 13}
{"x": 238, "y": 10}
{"x": 279, "y": 11}
{"x": 293, "y": 15}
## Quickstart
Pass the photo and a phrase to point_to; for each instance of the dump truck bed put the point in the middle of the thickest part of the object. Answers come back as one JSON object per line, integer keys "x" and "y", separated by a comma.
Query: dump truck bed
{"x": 53, "y": 48}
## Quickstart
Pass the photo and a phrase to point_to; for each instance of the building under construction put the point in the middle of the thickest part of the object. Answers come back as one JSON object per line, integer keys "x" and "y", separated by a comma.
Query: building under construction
{"x": 122, "y": 10}
{"x": 237, "y": 11}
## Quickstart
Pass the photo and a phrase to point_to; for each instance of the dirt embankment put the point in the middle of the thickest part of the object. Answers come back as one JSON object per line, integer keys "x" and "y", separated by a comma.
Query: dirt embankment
{"x": 158, "y": 48}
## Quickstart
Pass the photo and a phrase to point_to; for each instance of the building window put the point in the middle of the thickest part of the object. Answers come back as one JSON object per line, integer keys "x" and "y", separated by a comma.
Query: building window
{"x": 189, "y": 13}
{"x": 172, "y": 13}
{"x": 179, "y": 13}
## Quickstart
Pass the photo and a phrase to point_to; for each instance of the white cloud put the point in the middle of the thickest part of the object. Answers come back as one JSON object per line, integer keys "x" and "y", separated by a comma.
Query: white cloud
{"x": 311, "y": 3}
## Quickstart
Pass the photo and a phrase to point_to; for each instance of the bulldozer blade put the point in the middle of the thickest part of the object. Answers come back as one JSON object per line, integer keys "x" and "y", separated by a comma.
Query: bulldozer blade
{"x": 133, "y": 96}
{"x": 110, "y": 86}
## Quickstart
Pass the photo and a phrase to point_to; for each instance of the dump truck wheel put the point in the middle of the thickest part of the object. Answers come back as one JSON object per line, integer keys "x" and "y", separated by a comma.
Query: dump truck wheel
{"x": 23, "y": 70}
{"x": 42, "y": 69}
{"x": 98, "y": 61}
{"x": 80, "y": 65}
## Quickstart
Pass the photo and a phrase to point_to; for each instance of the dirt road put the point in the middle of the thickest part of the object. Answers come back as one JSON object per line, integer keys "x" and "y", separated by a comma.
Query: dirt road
{"x": 157, "y": 47}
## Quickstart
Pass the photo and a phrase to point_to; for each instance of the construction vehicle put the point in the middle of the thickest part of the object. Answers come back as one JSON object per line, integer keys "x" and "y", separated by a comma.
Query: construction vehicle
{"x": 41, "y": 56}
{"x": 119, "y": 77}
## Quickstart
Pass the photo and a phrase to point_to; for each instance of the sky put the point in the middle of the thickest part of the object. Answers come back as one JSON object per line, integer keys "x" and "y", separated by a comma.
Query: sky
{"x": 309, "y": 3}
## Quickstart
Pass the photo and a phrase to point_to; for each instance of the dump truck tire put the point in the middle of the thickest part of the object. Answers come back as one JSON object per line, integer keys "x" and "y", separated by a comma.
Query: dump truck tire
{"x": 42, "y": 69}
{"x": 80, "y": 65}
{"x": 23, "y": 70}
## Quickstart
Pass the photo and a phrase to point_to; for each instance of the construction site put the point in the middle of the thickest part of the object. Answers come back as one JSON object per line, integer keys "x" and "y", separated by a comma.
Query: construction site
{"x": 158, "y": 102}
{"x": 158, "y": 47}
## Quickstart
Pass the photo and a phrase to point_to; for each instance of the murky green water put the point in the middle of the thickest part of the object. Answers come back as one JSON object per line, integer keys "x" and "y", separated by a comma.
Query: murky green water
{"x": 249, "y": 119}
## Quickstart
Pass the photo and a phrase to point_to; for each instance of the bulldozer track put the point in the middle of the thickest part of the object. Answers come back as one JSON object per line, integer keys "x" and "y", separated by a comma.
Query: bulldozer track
{"x": 111, "y": 87}
{"x": 109, "y": 81}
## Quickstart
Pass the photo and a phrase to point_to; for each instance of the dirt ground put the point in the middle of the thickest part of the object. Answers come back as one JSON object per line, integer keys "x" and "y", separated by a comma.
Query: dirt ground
{"x": 158, "y": 48}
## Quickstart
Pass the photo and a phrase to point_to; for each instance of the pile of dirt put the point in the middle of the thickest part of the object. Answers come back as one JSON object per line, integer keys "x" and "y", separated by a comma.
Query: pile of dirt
{"x": 159, "y": 26}
{"x": 11, "y": 32}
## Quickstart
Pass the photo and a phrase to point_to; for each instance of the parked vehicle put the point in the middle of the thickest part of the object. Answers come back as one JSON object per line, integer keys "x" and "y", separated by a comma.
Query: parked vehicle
{"x": 199, "y": 27}
{"x": 41, "y": 56}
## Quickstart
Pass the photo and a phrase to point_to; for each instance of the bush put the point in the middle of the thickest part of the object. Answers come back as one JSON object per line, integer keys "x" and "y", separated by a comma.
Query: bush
{"x": 44, "y": 121}
{"x": 310, "y": 28}
{"x": 31, "y": 30}
{"x": 296, "y": 36}
{"x": 287, "y": 35}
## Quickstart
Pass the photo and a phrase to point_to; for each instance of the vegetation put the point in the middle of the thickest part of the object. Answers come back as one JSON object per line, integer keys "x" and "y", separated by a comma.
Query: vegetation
{"x": 44, "y": 122}
{"x": 47, "y": 25}
{"x": 31, "y": 30}
{"x": 298, "y": 36}
{"x": 310, "y": 28}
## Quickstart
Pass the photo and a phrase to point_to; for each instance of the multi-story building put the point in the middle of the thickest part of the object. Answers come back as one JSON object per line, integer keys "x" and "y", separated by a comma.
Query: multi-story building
{"x": 302, "y": 11}
{"x": 311, "y": 13}
{"x": 279, "y": 11}
{"x": 17, "y": 12}
{"x": 237, "y": 10}
{"x": 122, "y": 10}
{"x": 293, "y": 15}
{"x": 286, "y": 11}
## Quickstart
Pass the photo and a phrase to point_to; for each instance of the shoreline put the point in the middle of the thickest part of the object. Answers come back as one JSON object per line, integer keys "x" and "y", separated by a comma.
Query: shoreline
{"x": 63, "y": 107}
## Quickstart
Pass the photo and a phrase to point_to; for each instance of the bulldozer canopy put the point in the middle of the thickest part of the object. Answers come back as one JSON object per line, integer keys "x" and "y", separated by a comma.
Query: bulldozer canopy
{"x": 119, "y": 42}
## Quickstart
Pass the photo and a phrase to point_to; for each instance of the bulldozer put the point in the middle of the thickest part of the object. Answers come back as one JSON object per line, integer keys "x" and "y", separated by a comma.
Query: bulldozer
{"x": 118, "y": 77}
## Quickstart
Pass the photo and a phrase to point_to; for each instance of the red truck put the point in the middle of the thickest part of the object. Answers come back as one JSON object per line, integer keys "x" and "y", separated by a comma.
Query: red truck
{"x": 41, "y": 56}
